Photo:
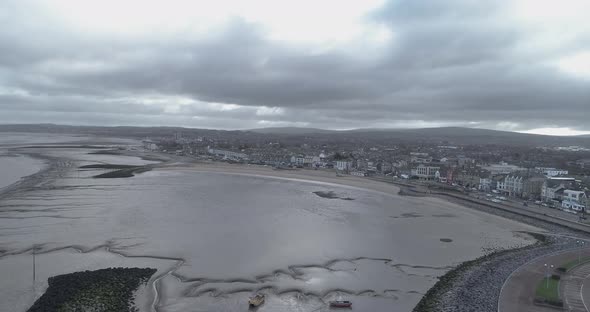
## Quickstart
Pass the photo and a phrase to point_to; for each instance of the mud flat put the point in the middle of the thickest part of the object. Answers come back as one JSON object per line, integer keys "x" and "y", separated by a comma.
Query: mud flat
{"x": 380, "y": 250}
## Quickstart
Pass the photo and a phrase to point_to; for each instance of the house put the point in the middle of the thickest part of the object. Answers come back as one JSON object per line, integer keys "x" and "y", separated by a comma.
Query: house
{"x": 573, "y": 200}
{"x": 425, "y": 172}
{"x": 485, "y": 181}
{"x": 553, "y": 187}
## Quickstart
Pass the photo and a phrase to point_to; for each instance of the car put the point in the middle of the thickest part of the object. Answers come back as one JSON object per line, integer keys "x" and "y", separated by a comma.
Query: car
{"x": 544, "y": 205}
{"x": 495, "y": 200}
{"x": 538, "y": 202}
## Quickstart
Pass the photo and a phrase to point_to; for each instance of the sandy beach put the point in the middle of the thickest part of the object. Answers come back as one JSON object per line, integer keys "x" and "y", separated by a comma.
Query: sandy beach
{"x": 323, "y": 175}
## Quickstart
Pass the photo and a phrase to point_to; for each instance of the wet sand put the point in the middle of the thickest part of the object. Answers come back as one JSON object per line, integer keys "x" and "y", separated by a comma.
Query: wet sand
{"x": 219, "y": 232}
{"x": 14, "y": 167}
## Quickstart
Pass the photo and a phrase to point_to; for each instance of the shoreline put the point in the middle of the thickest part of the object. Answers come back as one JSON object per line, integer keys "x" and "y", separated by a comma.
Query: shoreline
{"x": 301, "y": 175}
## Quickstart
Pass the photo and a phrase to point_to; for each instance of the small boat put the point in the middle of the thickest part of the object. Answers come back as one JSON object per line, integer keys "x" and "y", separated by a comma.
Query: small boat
{"x": 256, "y": 300}
{"x": 340, "y": 304}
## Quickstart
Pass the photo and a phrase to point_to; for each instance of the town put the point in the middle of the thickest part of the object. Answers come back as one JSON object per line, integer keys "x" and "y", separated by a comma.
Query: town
{"x": 551, "y": 176}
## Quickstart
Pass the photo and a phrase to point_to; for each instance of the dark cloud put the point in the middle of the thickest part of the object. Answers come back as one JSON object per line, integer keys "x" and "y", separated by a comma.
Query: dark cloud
{"x": 448, "y": 63}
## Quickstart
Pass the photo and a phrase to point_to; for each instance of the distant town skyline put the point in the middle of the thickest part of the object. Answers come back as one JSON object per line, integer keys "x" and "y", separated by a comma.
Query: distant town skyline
{"x": 521, "y": 66}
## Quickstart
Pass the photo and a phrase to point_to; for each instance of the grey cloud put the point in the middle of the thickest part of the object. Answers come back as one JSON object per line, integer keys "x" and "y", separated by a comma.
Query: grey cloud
{"x": 450, "y": 62}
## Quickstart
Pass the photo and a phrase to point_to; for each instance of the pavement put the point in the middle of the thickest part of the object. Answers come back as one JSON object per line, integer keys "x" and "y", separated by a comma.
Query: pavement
{"x": 572, "y": 287}
{"x": 518, "y": 291}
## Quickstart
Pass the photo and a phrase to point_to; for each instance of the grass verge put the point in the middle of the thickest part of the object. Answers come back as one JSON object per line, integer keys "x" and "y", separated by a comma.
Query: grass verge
{"x": 548, "y": 289}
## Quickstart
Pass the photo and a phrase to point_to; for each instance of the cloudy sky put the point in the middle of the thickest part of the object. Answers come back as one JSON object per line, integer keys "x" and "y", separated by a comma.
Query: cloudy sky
{"x": 509, "y": 65}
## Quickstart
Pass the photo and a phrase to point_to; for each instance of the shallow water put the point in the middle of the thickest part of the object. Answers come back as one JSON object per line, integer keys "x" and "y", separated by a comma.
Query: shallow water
{"x": 223, "y": 237}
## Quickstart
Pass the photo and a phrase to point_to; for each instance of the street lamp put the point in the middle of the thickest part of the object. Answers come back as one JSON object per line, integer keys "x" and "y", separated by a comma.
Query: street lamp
{"x": 581, "y": 245}
{"x": 547, "y": 274}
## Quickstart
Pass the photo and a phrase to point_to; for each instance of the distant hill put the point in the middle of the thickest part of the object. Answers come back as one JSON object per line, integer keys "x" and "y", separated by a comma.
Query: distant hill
{"x": 290, "y": 130}
{"x": 443, "y": 135}
{"x": 293, "y": 135}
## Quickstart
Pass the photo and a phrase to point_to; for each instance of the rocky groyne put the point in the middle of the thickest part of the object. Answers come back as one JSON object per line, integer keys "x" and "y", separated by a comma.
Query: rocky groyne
{"x": 101, "y": 290}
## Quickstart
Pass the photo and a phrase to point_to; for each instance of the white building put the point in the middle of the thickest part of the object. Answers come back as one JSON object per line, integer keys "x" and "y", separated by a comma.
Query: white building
{"x": 511, "y": 184}
{"x": 573, "y": 200}
{"x": 551, "y": 172}
{"x": 571, "y": 195}
{"x": 298, "y": 160}
{"x": 425, "y": 172}
{"x": 501, "y": 168}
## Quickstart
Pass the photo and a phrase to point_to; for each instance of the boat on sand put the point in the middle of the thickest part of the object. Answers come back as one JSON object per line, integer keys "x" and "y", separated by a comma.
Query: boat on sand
{"x": 340, "y": 304}
{"x": 256, "y": 300}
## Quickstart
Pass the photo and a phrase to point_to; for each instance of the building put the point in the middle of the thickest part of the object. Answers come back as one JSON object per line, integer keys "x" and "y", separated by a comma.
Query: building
{"x": 471, "y": 177}
{"x": 573, "y": 200}
{"x": 531, "y": 187}
{"x": 344, "y": 165}
{"x": 551, "y": 172}
{"x": 420, "y": 157}
{"x": 501, "y": 168}
{"x": 485, "y": 184}
{"x": 227, "y": 154}
{"x": 149, "y": 145}
{"x": 511, "y": 185}
{"x": 425, "y": 172}
{"x": 553, "y": 188}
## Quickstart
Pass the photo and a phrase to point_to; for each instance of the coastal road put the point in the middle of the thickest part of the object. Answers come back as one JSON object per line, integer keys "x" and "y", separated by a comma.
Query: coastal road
{"x": 511, "y": 203}
{"x": 518, "y": 291}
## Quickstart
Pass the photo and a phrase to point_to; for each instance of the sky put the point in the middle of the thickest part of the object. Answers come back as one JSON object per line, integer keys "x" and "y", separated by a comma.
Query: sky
{"x": 514, "y": 65}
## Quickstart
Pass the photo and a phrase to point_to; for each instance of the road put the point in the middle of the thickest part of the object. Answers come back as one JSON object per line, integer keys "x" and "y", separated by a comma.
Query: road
{"x": 517, "y": 204}
{"x": 519, "y": 290}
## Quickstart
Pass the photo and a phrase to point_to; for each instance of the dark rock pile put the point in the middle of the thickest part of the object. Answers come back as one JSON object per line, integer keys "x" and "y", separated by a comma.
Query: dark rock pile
{"x": 101, "y": 290}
